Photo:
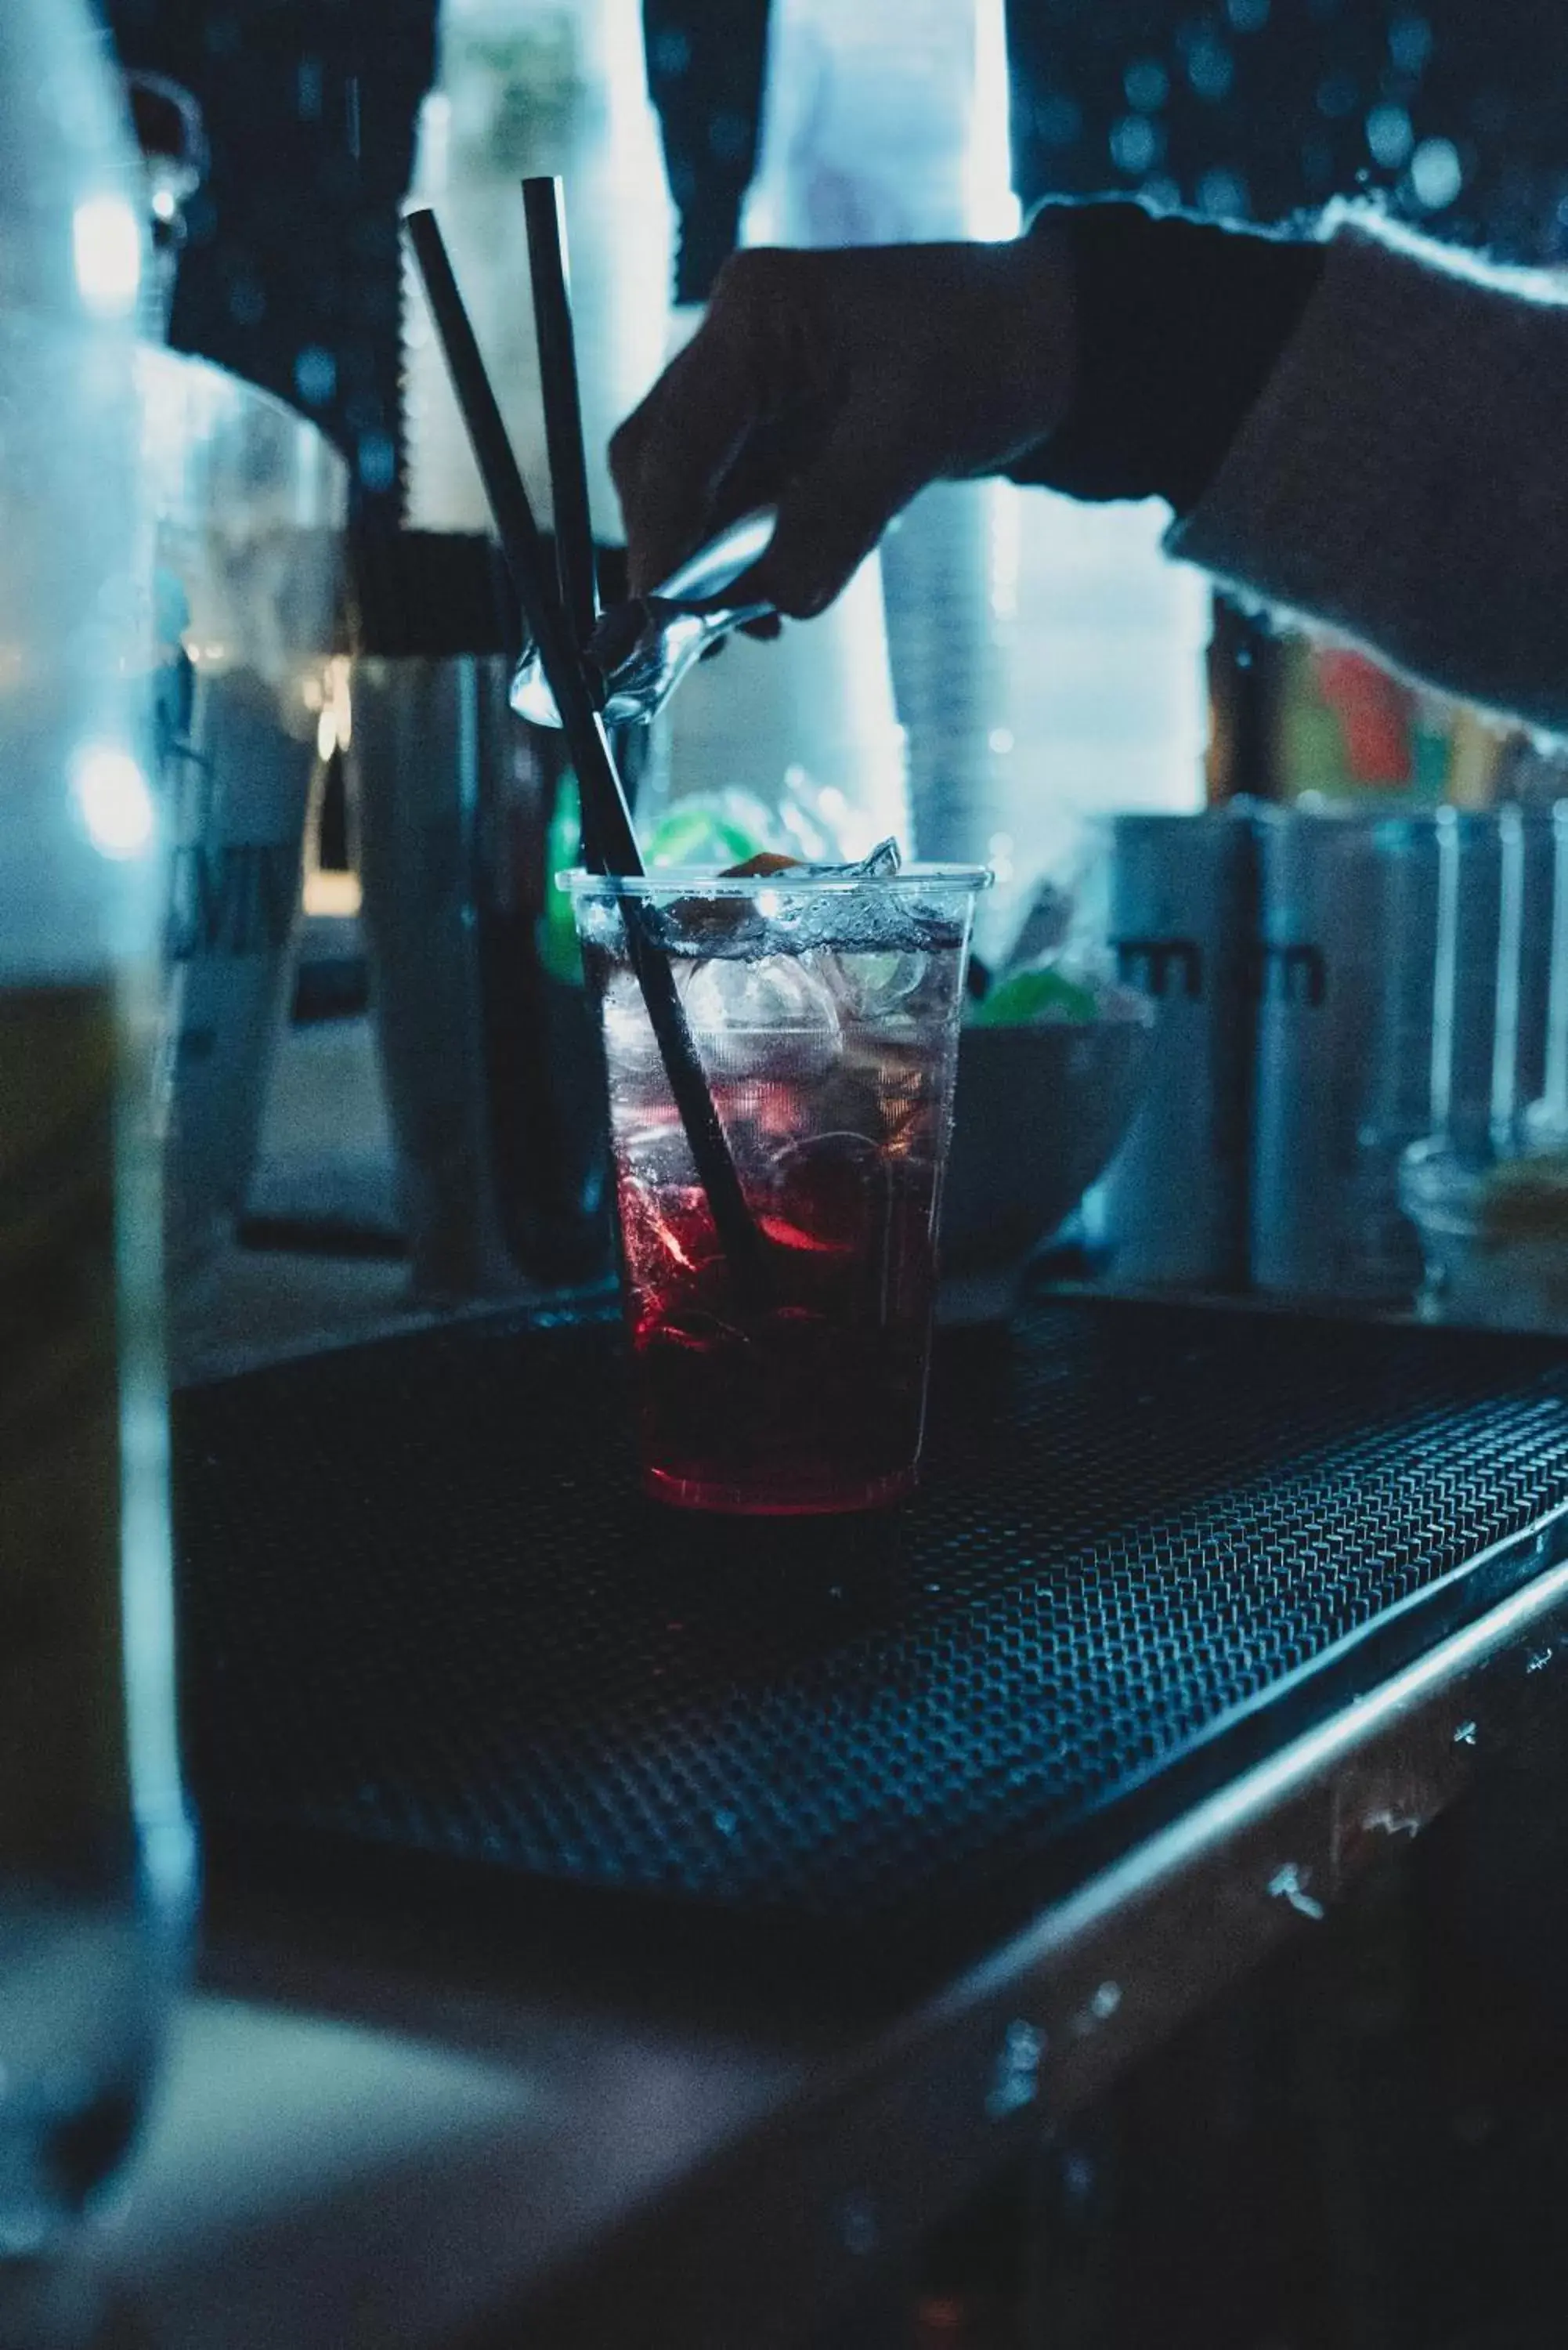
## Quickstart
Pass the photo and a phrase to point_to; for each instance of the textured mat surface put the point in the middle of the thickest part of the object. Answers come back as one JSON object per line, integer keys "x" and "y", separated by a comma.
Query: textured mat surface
{"x": 424, "y": 1608}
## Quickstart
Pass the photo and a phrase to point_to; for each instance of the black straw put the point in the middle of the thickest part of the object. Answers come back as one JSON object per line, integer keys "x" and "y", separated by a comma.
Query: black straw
{"x": 608, "y": 838}
{"x": 543, "y": 211}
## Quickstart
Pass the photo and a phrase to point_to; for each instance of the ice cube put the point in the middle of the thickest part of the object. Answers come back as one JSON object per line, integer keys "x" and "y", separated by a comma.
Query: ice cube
{"x": 631, "y": 1047}
{"x": 851, "y": 1102}
{"x": 667, "y": 1229}
{"x": 768, "y": 1017}
{"x": 883, "y": 860}
{"x": 875, "y": 986}
{"x": 827, "y": 1194}
{"x": 655, "y": 1153}
{"x": 872, "y": 921}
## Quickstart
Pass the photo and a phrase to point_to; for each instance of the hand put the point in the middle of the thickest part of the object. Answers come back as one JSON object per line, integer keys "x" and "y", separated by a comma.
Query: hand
{"x": 835, "y": 386}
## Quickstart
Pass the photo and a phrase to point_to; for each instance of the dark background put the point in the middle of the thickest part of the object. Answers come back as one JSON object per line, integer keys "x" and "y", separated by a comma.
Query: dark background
{"x": 1250, "y": 108}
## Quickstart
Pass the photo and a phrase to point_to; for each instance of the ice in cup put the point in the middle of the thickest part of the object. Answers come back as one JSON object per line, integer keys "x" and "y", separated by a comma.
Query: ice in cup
{"x": 824, "y": 1010}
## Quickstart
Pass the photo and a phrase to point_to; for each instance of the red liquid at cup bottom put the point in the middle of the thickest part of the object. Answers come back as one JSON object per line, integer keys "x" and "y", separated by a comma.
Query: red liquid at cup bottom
{"x": 813, "y": 1402}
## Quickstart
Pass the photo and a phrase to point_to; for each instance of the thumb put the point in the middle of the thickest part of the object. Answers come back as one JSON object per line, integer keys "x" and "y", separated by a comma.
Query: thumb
{"x": 833, "y": 514}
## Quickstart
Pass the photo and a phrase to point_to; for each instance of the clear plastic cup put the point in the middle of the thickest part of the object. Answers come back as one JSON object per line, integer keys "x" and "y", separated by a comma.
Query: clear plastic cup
{"x": 824, "y": 1010}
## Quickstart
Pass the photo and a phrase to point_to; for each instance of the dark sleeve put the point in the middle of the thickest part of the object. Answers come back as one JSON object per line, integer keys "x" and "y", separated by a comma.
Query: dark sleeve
{"x": 1403, "y": 479}
{"x": 1179, "y": 323}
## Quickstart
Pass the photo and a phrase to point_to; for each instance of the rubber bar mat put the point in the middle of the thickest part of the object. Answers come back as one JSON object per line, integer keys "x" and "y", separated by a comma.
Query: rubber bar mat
{"x": 424, "y": 1608}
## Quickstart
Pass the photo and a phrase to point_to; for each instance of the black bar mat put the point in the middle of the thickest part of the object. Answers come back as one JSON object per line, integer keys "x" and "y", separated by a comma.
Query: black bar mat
{"x": 425, "y": 1610}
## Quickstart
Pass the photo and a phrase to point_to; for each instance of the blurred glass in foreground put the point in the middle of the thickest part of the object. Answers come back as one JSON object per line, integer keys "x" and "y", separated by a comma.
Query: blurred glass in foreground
{"x": 96, "y": 1850}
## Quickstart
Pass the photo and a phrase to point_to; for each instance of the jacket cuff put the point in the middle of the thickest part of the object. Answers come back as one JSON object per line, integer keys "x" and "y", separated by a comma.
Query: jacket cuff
{"x": 1179, "y": 323}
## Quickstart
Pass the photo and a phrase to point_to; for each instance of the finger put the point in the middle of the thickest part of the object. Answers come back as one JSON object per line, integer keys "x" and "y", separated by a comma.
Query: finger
{"x": 833, "y": 513}
{"x": 780, "y": 446}
{"x": 670, "y": 452}
{"x": 730, "y": 410}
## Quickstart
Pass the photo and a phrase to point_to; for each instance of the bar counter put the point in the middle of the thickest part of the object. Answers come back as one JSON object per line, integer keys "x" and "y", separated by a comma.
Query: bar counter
{"x": 624, "y": 1930}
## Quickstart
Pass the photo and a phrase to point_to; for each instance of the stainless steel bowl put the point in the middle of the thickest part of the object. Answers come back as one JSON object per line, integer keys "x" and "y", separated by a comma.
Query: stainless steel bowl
{"x": 1039, "y": 1113}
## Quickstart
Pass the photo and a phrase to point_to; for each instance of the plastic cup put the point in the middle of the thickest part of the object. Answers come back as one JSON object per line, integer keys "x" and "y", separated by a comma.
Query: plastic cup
{"x": 824, "y": 1009}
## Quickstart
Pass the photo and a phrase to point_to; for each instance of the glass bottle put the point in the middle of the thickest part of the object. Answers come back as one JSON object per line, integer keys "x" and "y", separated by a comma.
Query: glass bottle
{"x": 96, "y": 1846}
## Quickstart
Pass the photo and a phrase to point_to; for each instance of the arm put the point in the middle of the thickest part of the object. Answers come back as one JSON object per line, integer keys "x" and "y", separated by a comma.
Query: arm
{"x": 1363, "y": 431}
{"x": 1403, "y": 478}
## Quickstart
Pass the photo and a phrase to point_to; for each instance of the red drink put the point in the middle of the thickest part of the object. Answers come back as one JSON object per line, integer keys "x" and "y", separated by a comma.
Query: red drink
{"x": 831, "y": 1069}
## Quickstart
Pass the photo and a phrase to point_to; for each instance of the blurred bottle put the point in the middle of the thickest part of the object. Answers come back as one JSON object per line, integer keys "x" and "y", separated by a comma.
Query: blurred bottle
{"x": 525, "y": 87}
{"x": 1349, "y": 733}
{"x": 95, "y": 1845}
{"x": 1046, "y": 658}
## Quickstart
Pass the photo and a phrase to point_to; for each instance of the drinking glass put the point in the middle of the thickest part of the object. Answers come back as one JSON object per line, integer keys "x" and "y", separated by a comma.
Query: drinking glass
{"x": 824, "y": 1010}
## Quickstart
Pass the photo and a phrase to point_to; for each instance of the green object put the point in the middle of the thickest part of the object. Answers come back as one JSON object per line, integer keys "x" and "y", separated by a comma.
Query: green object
{"x": 696, "y": 832}
{"x": 559, "y": 952}
{"x": 1030, "y": 995}
{"x": 701, "y": 830}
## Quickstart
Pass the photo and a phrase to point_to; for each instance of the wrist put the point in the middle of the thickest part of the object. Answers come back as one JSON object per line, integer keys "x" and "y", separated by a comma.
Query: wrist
{"x": 1178, "y": 326}
{"x": 1042, "y": 361}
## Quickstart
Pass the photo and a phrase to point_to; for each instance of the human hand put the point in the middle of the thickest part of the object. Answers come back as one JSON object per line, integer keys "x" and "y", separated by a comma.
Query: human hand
{"x": 835, "y": 386}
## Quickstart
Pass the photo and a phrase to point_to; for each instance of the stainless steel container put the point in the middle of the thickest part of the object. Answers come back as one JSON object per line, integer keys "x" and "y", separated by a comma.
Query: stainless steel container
{"x": 1476, "y": 968}
{"x": 1405, "y": 971}
{"x": 491, "y": 1060}
{"x": 1547, "y": 1117}
{"x": 1171, "y": 1210}
{"x": 1485, "y": 1184}
{"x": 1347, "y": 939}
{"x": 1538, "y": 890}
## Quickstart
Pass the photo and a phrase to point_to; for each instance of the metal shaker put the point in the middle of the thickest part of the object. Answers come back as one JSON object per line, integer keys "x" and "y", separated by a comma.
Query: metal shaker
{"x": 1537, "y": 893}
{"x": 1172, "y": 1206}
{"x": 1347, "y": 936}
{"x": 1493, "y": 978}
{"x": 492, "y": 1065}
{"x": 1476, "y": 966}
